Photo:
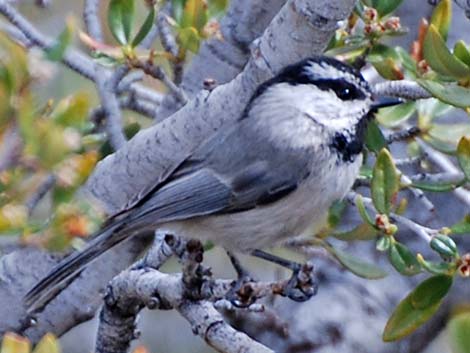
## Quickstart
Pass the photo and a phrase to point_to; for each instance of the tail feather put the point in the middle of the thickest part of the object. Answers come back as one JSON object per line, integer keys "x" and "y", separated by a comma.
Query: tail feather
{"x": 70, "y": 267}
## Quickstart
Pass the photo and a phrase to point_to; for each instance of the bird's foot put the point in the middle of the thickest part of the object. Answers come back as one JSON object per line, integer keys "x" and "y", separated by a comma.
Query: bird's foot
{"x": 301, "y": 286}
{"x": 242, "y": 294}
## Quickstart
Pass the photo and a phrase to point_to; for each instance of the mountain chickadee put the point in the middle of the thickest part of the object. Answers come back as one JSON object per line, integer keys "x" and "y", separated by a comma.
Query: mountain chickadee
{"x": 271, "y": 174}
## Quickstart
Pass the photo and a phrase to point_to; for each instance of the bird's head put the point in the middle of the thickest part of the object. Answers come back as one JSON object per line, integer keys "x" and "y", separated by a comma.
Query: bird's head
{"x": 331, "y": 92}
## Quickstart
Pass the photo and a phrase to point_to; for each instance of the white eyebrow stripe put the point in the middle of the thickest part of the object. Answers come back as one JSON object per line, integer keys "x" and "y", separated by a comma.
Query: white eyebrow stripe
{"x": 324, "y": 71}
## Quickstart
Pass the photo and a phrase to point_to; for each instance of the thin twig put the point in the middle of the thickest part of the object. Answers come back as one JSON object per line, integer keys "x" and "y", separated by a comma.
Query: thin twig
{"x": 446, "y": 177}
{"x": 91, "y": 16}
{"x": 418, "y": 194}
{"x": 446, "y": 165}
{"x": 403, "y": 89}
{"x": 157, "y": 72}
{"x": 403, "y": 135}
{"x": 169, "y": 43}
{"x": 423, "y": 232}
{"x": 107, "y": 92}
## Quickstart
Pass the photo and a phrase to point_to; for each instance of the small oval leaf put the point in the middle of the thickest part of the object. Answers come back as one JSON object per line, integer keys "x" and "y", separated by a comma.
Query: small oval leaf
{"x": 385, "y": 182}
{"x": 439, "y": 57}
{"x": 47, "y": 344}
{"x": 448, "y": 93}
{"x": 442, "y": 16}
{"x": 417, "y": 308}
{"x": 430, "y": 291}
{"x": 442, "y": 186}
{"x": 403, "y": 260}
{"x": 13, "y": 343}
{"x": 374, "y": 138}
{"x": 458, "y": 328}
{"x": 356, "y": 265}
{"x": 362, "y": 211}
{"x": 463, "y": 155}
{"x": 145, "y": 28}
{"x": 57, "y": 51}
{"x": 363, "y": 231}
{"x": 384, "y": 7}
{"x": 120, "y": 19}
{"x": 396, "y": 115}
{"x": 461, "y": 52}
{"x": 463, "y": 227}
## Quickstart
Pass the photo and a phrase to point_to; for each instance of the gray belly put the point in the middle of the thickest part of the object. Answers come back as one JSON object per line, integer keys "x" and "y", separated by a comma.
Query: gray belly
{"x": 303, "y": 210}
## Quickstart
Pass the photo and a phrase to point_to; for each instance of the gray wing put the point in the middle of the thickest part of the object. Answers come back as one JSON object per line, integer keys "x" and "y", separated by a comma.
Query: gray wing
{"x": 235, "y": 170}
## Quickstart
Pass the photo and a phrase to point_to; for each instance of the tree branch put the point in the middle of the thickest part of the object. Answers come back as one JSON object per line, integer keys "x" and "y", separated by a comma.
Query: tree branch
{"x": 303, "y": 26}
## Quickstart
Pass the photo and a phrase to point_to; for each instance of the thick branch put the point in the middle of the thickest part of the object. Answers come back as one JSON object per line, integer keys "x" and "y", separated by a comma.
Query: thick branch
{"x": 303, "y": 27}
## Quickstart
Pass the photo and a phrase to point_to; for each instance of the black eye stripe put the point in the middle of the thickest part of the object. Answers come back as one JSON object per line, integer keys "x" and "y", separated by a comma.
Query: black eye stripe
{"x": 343, "y": 89}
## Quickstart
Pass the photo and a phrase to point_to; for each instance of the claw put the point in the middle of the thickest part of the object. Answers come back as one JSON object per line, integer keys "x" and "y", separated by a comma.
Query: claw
{"x": 241, "y": 295}
{"x": 301, "y": 286}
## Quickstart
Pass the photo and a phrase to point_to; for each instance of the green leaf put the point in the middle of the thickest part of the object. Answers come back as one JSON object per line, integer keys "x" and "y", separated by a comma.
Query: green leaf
{"x": 145, "y": 28}
{"x": 189, "y": 39}
{"x": 442, "y": 16}
{"x": 439, "y": 57}
{"x": 177, "y": 8}
{"x": 439, "y": 145}
{"x": 463, "y": 155}
{"x": 385, "y": 61}
{"x": 363, "y": 231}
{"x": 384, "y": 243}
{"x": 442, "y": 186}
{"x": 357, "y": 266}
{"x": 13, "y": 343}
{"x": 444, "y": 246}
{"x": 384, "y": 7}
{"x": 217, "y": 7}
{"x": 374, "y": 138}
{"x": 385, "y": 182}
{"x": 437, "y": 268}
{"x": 430, "y": 291}
{"x": 194, "y": 15}
{"x": 47, "y": 344}
{"x": 417, "y": 308}
{"x": 449, "y": 133}
{"x": 449, "y": 93}
{"x": 461, "y": 52}
{"x": 57, "y": 51}
{"x": 72, "y": 111}
{"x": 403, "y": 260}
{"x": 431, "y": 108}
{"x": 458, "y": 328}
{"x": 120, "y": 19}
{"x": 335, "y": 213}
{"x": 396, "y": 115}
{"x": 463, "y": 227}
{"x": 362, "y": 211}
{"x": 408, "y": 63}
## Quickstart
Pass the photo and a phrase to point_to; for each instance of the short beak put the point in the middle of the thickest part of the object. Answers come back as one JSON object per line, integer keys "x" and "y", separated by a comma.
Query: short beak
{"x": 382, "y": 102}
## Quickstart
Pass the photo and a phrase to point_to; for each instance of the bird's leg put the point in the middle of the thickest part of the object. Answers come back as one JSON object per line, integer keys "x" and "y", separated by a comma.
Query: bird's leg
{"x": 240, "y": 295}
{"x": 237, "y": 266}
{"x": 301, "y": 285}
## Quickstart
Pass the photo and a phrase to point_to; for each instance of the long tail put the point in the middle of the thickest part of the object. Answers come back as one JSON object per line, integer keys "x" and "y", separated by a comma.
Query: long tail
{"x": 66, "y": 270}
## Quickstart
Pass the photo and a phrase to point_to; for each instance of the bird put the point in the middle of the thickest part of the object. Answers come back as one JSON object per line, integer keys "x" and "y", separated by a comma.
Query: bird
{"x": 268, "y": 175}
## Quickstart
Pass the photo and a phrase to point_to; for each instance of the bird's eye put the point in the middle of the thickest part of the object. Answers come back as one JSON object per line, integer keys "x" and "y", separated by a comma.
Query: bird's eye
{"x": 343, "y": 89}
{"x": 345, "y": 94}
